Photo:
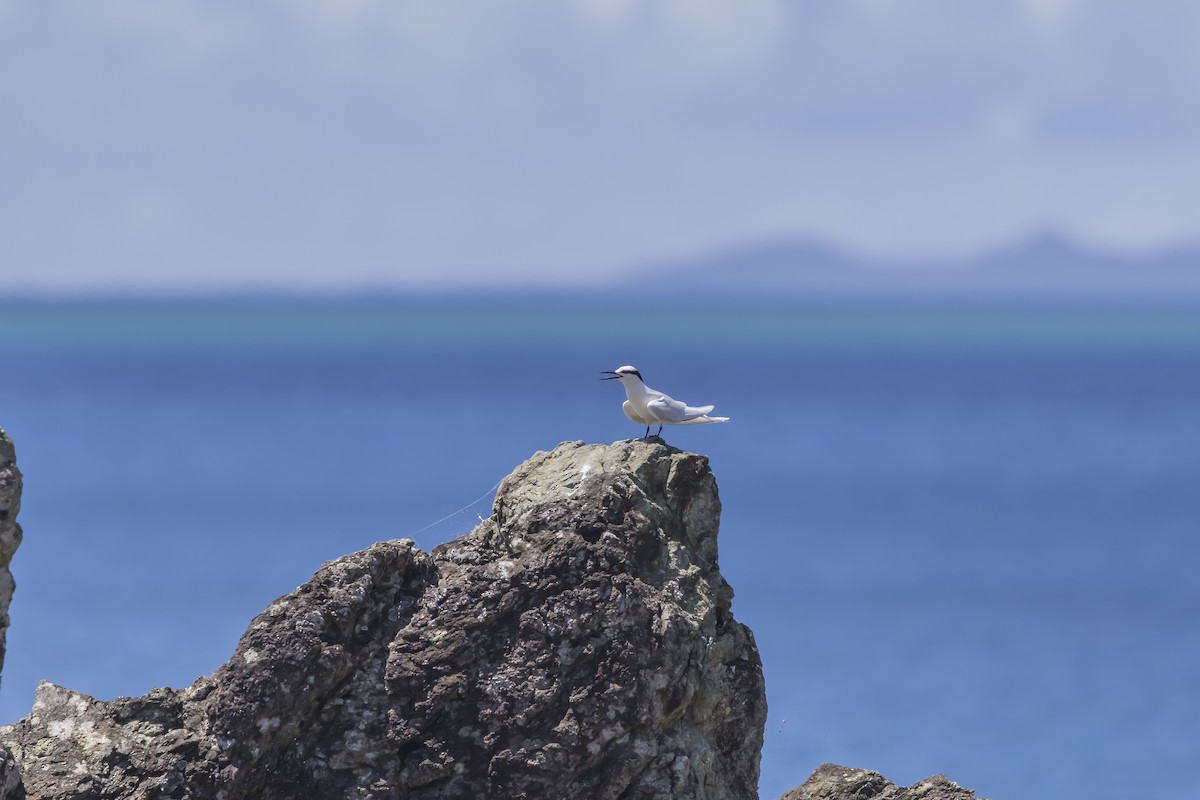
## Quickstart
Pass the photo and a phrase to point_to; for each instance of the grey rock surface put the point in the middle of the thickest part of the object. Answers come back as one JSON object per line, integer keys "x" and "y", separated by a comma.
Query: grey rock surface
{"x": 577, "y": 644}
{"x": 833, "y": 782}
{"x": 10, "y": 531}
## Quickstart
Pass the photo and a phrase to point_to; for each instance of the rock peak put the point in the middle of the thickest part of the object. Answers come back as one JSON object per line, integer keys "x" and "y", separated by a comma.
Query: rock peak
{"x": 834, "y": 782}
{"x": 578, "y": 643}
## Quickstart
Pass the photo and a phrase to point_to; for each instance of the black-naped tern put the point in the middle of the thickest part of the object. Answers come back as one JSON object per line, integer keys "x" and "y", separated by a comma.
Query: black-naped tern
{"x": 648, "y": 407}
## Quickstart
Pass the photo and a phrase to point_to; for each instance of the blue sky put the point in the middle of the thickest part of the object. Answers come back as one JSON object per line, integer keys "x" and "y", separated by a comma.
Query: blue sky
{"x": 343, "y": 144}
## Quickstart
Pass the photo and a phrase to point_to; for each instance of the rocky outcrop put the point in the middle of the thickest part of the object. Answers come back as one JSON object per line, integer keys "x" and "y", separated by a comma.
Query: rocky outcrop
{"x": 10, "y": 531}
{"x": 831, "y": 782}
{"x": 577, "y": 644}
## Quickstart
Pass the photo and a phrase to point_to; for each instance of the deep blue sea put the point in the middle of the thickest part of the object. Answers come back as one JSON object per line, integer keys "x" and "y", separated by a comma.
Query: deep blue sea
{"x": 967, "y": 538}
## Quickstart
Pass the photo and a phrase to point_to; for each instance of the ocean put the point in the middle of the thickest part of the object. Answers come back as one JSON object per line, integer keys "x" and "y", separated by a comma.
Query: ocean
{"x": 967, "y": 538}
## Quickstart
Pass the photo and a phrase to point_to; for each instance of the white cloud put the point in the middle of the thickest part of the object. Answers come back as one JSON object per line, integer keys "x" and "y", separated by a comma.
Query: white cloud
{"x": 607, "y": 14}
{"x": 406, "y": 31}
{"x": 724, "y": 33}
{"x": 658, "y": 42}
{"x": 175, "y": 33}
{"x": 1050, "y": 18}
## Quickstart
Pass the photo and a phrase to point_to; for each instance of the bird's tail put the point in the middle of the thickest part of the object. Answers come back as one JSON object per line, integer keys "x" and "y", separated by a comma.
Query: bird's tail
{"x": 701, "y": 420}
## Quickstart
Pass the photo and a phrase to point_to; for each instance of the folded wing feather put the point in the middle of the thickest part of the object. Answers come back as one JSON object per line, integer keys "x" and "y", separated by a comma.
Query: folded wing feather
{"x": 668, "y": 410}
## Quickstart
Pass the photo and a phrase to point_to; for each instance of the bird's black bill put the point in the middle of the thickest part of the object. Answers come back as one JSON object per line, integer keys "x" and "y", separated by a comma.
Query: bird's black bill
{"x": 612, "y": 376}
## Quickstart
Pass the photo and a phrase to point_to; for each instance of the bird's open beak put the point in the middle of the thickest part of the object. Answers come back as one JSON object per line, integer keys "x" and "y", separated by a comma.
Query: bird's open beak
{"x": 612, "y": 376}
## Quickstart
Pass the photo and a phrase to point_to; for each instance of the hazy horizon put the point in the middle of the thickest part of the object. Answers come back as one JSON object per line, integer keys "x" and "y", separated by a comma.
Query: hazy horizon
{"x": 1043, "y": 266}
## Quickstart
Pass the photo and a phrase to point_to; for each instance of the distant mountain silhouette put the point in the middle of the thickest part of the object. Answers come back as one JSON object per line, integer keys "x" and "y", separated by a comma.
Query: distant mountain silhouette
{"x": 1047, "y": 266}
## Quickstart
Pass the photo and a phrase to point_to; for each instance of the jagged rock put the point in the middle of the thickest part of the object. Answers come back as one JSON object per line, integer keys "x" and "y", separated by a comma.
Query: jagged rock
{"x": 831, "y": 782}
{"x": 10, "y": 531}
{"x": 577, "y": 644}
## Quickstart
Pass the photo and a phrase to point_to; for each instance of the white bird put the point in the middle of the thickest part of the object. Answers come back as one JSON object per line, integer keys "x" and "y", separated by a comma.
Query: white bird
{"x": 647, "y": 406}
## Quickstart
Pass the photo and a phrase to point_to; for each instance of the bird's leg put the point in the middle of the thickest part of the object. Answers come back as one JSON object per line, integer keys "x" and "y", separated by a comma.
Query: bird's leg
{"x": 659, "y": 434}
{"x": 646, "y": 435}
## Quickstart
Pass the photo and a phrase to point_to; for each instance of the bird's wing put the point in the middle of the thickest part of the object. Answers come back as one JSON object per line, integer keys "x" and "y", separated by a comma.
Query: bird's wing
{"x": 670, "y": 411}
{"x": 630, "y": 412}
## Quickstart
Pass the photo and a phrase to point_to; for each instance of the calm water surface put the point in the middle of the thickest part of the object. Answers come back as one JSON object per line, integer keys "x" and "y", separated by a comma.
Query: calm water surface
{"x": 966, "y": 538}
